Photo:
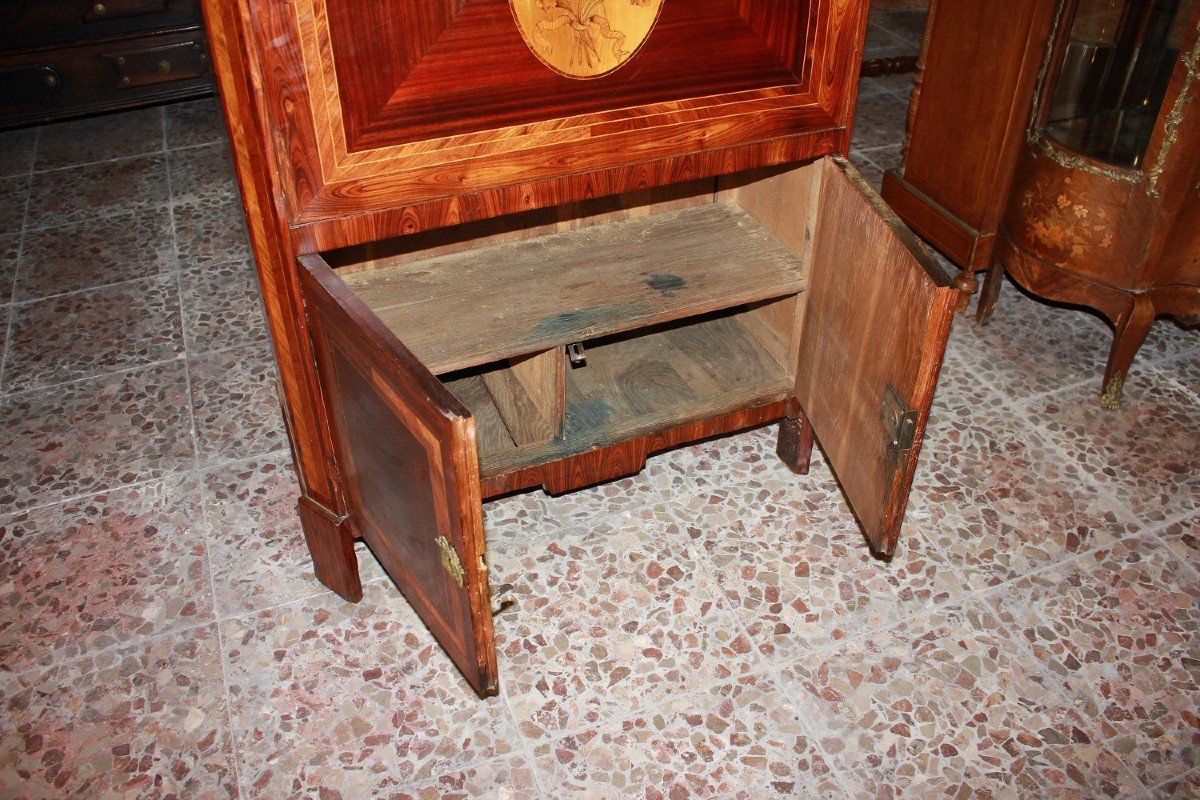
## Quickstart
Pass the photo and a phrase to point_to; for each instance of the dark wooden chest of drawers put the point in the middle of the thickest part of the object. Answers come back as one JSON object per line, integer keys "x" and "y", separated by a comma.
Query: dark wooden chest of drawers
{"x": 60, "y": 59}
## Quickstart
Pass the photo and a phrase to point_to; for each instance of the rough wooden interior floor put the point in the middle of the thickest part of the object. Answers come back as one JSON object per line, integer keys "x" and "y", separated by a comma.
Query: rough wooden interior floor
{"x": 713, "y": 627}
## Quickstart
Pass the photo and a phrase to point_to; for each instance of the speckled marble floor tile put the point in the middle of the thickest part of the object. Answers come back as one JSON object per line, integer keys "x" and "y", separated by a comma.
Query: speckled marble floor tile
{"x": 353, "y": 698}
{"x": 997, "y": 499}
{"x": 97, "y": 190}
{"x": 78, "y": 335}
{"x": 1030, "y": 348}
{"x": 96, "y": 253}
{"x": 794, "y": 565}
{"x": 737, "y": 741}
{"x": 234, "y": 402}
{"x": 944, "y": 705}
{"x": 1183, "y": 369}
{"x": 93, "y": 435}
{"x": 1147, "y": 452}
{"x": 906, "y": 24}
{"x": 84, "y": 575}
{"x": 100, "y": 138}
{"x": 16, "y": 151}
{"x": 1184, "y": 788}
{"x": 1119, "y": 628}
{"x": 147, "y": 720}
{"x": 876, "y": 120}
{"x": 14, "y": 193}
{"x": 210, "y": 231}
{"x": 255, "y": 542}
{"x": 881, "y": 43}
{"x": 222, "y": 307}
{"x": 202, "y": 172}
{"x": 1184, "y": 539}
{"x": 509, "y": 777}
{"x": 563, "y": 667}
{"x": 1168, "y": 340}
{"x": 870, "y": 171}
{"x": 194, "y": 122}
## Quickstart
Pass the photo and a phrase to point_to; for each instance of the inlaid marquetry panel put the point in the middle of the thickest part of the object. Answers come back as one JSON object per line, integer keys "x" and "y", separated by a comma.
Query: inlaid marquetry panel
{"x": 392, "y": 102}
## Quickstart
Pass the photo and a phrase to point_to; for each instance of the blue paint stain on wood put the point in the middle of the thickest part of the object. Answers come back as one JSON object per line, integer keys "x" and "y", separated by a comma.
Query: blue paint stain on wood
{"x": 666, "y": 284}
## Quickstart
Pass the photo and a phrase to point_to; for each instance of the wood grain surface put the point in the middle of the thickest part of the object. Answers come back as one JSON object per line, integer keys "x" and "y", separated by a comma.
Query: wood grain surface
{"x": 526, "y": 296}
{"x": 878, "y": 314}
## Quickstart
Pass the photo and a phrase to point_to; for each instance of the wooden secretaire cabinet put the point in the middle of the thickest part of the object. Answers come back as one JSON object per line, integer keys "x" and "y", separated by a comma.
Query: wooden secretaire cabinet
{"x": 516, "y": 243}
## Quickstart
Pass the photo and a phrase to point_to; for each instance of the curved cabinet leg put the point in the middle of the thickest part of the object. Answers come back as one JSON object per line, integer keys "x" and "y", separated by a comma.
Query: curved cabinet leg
{"x": 332, "y": 545}
{"x": 795, "y": 443}
{"x": 1132, "y": 326}
{"x": 991, "y": 292}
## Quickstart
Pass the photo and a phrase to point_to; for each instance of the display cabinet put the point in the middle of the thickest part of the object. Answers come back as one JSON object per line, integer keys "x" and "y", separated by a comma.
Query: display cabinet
{"x": 1105, "y": 204}
{"x": 507, "y": 245}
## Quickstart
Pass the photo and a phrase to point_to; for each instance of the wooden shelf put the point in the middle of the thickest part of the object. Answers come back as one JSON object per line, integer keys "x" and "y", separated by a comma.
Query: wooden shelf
{"x": 472, "y": 308}
{"x": 638, "y": 384}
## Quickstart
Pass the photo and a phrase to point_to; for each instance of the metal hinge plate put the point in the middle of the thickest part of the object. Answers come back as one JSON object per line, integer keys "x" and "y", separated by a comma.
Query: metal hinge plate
{"x": 450, "y": 560}
{"x": 899, "y": 421}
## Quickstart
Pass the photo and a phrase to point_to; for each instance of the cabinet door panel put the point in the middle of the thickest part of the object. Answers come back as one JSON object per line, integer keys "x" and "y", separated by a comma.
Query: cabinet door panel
{"x": 877, "y": 316}
{"x": 409, "y": 467}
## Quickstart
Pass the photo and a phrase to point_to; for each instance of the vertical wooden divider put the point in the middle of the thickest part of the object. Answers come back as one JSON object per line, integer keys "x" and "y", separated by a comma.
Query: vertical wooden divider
{"x": 530, "y": 394}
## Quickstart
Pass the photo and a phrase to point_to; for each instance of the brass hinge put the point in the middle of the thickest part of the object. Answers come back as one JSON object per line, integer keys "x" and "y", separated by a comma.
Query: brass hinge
{"x": 899, "y": 422}
{"x": 450, "y": 560}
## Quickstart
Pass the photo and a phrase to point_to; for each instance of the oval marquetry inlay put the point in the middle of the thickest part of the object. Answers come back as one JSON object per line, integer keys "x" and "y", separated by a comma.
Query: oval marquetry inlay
{"x": 585, "y": 38}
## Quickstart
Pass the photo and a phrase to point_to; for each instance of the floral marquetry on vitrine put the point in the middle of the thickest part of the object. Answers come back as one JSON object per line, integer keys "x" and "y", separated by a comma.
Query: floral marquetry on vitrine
{"x": 508, "y": 244}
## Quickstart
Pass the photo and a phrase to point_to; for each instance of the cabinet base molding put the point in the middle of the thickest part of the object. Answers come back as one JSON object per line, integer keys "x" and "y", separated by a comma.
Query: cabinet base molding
{"x": 629, "y": 457}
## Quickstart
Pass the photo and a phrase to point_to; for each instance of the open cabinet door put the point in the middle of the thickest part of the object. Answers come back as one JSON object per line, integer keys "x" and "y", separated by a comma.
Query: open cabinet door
{"x": 875, "y": 325}
{"x": 406, "y": 455}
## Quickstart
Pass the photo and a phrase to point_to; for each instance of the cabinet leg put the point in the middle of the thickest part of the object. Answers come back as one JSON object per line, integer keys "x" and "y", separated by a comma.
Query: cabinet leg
{"x": 795, "y": 443}
{"x": 991, "y": 292}
{"x": 967, "y": 284}
{"x": 331, "y": 543}
{"x": 1132, "y": 327}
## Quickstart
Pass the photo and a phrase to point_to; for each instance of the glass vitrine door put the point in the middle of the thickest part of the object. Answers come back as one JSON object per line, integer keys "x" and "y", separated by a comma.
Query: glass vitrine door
{"x": 1112, "y": 74}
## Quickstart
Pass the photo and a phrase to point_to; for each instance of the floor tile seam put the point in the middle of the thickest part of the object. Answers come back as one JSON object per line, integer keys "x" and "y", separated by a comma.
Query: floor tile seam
{"x": 840, "y": 774}
{"x": 183, "y": 335}
{"x": 160, "y": 151}
{"x": 1103, "y": 486}
{"x": 196, "y": 145}
{"x": 525, "y": 745}
{"x": 1064, "y": 692}
{"x": 234, "y": 746}
{"x": 166, "y": 475}
{"x": 199, "y": 353}
{"x": 10, "y": 313}
{"x": 94, "y": 215}
{"x": 106, "y": 372}
{"x": 1194, "y": 396}
{"x": 474, "y": 764}
{"x": 1158, "y": 534}
{"x": 1152, "y": 791}
{"x": 97, "y": 287}
{"x": 866, "y": 151}
{"x": 122, "y": 211}
{"x": 1070, "y": 695}
{"x": 131, "y": 642}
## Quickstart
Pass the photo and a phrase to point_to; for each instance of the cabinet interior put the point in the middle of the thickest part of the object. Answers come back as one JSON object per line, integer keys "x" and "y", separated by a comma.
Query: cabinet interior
{"x": 680, "y": 304}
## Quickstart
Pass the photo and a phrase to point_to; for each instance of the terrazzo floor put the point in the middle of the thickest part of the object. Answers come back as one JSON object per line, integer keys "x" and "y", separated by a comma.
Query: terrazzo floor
{"x": 713, "y": 627}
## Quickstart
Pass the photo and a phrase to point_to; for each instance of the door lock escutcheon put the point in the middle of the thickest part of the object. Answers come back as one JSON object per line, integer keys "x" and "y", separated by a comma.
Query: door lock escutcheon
{"x": 899, "y": 421}
{"x": 450, "y": 560}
